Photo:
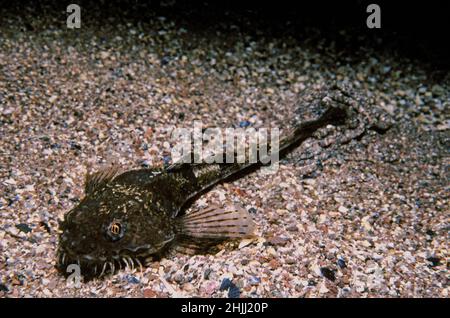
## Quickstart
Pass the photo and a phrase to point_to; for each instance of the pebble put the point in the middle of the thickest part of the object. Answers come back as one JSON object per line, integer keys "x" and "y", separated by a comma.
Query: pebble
{"x": 342, "y": 209}
{"x": 234, "y": 291}
{"x": 328, "y": 273}
{"x": 165, "y": 60}
{"x": 274, "y": 264}
{"x": 253, "y": 280}
{"x": 179, "y": 278}
{"x": 207, "y": 273}
{"x": 132, "y": 279}
{"x": 3, "y": 288}
{"x": 244, "y": 124}
{"x": 438, "y": 90}
{"x": 245, "y": 242}
{"x": 24, "y": 227}
{"x": 435, "y": 261}
{"x": 323, "y": 289}
{"x": 226, "y": 283}
{"x": 166, "y": 160}
{"x": 292, "y": 228}
{"x": 291, "y": 261}
{"x": 252, "y": 210}
{"x": 277, "y": 241}
{"x": 341, "y": 263}
{"x": 150, "y": 293}
{"x": 45, "y": 226}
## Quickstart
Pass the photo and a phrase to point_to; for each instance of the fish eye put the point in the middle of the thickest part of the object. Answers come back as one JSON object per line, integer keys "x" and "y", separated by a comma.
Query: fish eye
{"x": 115, "y": 230}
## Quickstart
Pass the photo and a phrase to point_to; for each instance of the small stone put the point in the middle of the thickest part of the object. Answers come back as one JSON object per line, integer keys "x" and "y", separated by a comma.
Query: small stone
{"x": 148, "y": 133}
{"x": 52, "y": 99}
{"x": 207, "y": 273}
{"x": 342, "y": 209}
{"x": 245, "y": 262}
{"x": 386, "y": 69}
{"x": 245, "y": 242}
{"x": 277, "y": 240}
{"x": 409, "y": 257}
{"x": 346, "y": 280}
{"x": 438, "y": 90}
{"x": 270, "y": 91}
{"x": 10, "y": 181}
{"x": 323, "y": 289}
{"x": 132, "y": 279}
{"x": 226, "y": 283}
{"x": 435, "y": 261}
{"x": 291, "y": 260}
{"x": 150, "y": 293}
{"x": 52, "y": 284}
{"x": 166, "y": 160}
{"x": 274, "y": 264}
{"x": 17, "y": 281}
{"x": 234, "y": 291}
{"x": 3, "y": 288}
{"x": 341, "y": 263}
{"x": 179, "y": 278}
{"x": 210, "y": 287}
{"x": 165, "y": 60}
{"x": 328, "y": 273}
{"x": 244, "y": 124}
{"x": 23, "y": 227}
{"x": 144, "y": 163}
{"x": 253, "y": 280}
{"x": 45, "y": 226}
{"x": 271, "y": 251}
{"x": 74, "y": 145}
{"x": 104, "y": 55}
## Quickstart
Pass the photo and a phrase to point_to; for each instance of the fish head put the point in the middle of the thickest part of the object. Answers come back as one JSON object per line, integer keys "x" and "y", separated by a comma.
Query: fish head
{"x": 111, "y": 229}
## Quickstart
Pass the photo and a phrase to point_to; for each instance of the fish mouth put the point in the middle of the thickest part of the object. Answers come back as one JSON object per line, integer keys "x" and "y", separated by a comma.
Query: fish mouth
{"x": 90, "y": 266}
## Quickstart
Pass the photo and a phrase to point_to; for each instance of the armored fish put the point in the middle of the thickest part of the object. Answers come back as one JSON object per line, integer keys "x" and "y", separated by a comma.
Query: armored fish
{"x": 128, "y": 217}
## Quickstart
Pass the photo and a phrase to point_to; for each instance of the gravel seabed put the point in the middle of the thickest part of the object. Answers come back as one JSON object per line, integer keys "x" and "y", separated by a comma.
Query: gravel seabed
{"x": 373, "y": 222}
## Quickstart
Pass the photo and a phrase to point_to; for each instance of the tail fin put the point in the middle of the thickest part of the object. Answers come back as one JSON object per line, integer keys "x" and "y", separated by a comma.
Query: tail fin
{"x": 333, "y": 115}
{"x": 218, "y": 223}
{"x": 205, "y": 175}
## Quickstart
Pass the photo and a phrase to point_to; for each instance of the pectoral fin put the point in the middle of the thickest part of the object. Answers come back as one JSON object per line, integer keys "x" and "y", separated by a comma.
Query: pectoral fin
{"x": 218, "y": 223}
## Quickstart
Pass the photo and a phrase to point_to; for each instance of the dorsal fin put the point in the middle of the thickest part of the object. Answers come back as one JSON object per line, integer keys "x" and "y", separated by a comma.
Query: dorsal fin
{"x": 100, "y": 178}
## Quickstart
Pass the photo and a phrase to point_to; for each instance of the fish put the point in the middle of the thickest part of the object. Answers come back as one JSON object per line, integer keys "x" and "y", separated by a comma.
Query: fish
{"x": 128, "y": 217}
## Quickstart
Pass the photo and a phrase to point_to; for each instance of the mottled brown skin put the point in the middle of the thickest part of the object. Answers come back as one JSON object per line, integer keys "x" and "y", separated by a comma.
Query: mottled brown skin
{"x": 125, "y": 218}
{"x": 144, "y": 202}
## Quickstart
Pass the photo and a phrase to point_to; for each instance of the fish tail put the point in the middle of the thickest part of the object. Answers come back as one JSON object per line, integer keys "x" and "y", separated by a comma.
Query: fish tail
{"x": 205, "y": 175}
{"x": 333, "y": 115}
{"x": 218, "y": 223}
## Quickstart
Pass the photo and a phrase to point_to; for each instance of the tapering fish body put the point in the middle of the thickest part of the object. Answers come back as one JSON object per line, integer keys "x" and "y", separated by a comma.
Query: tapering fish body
{"x": 126, "y": 217}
